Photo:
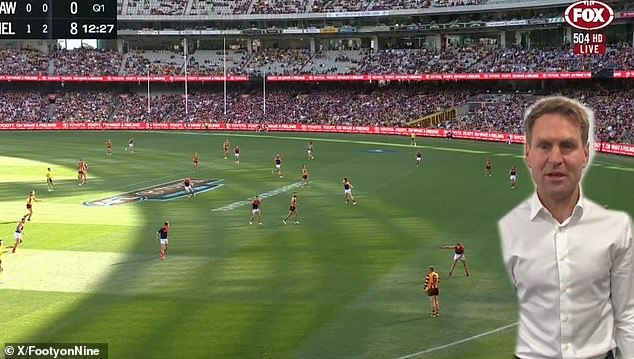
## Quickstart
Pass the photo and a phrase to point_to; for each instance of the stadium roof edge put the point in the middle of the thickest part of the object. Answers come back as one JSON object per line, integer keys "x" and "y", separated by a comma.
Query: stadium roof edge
{"x": 350, "y": 14}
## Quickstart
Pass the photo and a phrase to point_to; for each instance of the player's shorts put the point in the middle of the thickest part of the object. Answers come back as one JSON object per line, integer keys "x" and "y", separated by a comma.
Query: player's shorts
{"x": 130, "y": 145}
{"x": 29, "y": 206}
{"x": 278, "y": 166}
{"x": 255, "y": 211}
{"x": 189, "y": 188}
{"x": 49, "y": 180}
{"x": 457, "y": 256}
{"x": 488, "y": 167}
{"x": 237, "y": 155}
{"x": 513, "y": 178}
{"x": 17, "y": 236}
{"x": 195, "y": 162}
{"x": 164, "y": 241}
{"x": 310, "y": 153}
{"x": 305, "y": 176}
{"x": 292, "y": 208}
{"x": 418, "y": 159}
{"x": 347, "y": 191}
{"x": 432, "y": 292}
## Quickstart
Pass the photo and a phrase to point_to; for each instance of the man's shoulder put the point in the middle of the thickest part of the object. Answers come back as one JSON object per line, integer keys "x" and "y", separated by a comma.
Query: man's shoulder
{"x": 521, "y": 212}
{"x": 611, "y": 215}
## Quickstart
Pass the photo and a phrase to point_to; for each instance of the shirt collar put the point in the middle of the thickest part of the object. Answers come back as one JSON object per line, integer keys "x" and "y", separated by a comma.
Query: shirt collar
{"x": 536, "y": 206}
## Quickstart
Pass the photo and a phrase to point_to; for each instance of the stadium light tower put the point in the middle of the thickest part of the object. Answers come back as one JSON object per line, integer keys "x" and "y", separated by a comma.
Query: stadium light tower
{"x": 147, "y": 67}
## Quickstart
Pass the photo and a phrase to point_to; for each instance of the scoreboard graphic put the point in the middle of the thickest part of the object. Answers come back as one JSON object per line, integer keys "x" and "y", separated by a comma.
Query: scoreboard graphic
{"x": 58, "y": 19}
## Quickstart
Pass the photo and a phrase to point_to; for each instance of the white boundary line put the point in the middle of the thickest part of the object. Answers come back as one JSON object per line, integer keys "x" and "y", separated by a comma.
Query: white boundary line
{"x": 430, "y": 350}
{"x": 317, "y": 139}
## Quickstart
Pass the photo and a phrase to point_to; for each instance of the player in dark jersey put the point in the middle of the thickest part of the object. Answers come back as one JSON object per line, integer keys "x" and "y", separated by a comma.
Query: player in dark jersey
{"x": 256, "y": 210}
{"x": 347, "y": 192}
{"x": 189, "y": 187}
{"x": 277, "y": 160}
{"x": 311, "y": 150}
{"x": 17, "y": 235}
{"x": 419, "y": 158}
{"x": 162, "y": 235}
{"x": 487, "y": 167}
{"x": 109, "y": 148}
{"x": 513, "y": 177}
{"x": 457, "y": 256}
{"x": 236, "y": 153}
{"x": 292, "y": 210}
{"x": 130, "y": 145}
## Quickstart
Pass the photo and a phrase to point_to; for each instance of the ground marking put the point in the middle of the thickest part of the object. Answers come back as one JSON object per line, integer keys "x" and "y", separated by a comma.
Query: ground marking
{"x": 264, "y": 195}
{"x": 326, "y": 140}
{"x": 423, "y": 352}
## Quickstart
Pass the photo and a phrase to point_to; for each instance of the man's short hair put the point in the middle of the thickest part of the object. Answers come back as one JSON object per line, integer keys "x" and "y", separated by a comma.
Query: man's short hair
{"x": 572, "y": 109}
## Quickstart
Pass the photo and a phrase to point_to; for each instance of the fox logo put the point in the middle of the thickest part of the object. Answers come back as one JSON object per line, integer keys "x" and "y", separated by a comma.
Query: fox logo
{"x": 589, "y": 15}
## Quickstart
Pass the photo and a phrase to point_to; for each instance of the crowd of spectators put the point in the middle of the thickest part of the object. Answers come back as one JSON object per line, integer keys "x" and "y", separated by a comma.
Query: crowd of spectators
{"x": 23, "y": 106}
{"x": 613, "y": 111}
{"x": 207, "y": 62}
{"x": 163, "y": 63}
{"x": 89, "y": 106}
{"x": 23, "y": 61}
{"x": 226, "y": 7}
{"x": 391, "y": 105}
{"x": 83, "y": 61}
{"x": 278, "y": 61}
{"x": 155, "y": 7}
{"x": 278, "y": 6}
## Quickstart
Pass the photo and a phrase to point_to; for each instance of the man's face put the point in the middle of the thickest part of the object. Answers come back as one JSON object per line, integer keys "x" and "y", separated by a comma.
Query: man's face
{"x": 556, "y": 156}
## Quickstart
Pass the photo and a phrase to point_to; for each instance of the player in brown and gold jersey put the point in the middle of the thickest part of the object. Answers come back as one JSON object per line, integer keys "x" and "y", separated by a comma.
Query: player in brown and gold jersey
{"x": 432, "y": 282}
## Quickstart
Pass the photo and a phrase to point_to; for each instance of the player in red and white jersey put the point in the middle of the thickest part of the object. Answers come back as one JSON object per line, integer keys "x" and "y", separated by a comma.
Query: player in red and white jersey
{"x": 513, "y": 177}
{"x": 347, "y": 192}
{"x": 277, "y": 160}
{"x": 256, "y": 210}
{"x": 311, "y": 150}
{"x": 236, "y": 153}
{"x": 457, "y": 256}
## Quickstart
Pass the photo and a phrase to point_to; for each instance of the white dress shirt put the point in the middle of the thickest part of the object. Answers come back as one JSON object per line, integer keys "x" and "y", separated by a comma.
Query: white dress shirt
{"x": 574, "y": 281}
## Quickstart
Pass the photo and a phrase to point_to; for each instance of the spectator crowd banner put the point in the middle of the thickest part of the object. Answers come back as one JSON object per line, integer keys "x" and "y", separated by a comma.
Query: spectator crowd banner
{"x": 614, "y": 148}
{"x": 584, "y": 75}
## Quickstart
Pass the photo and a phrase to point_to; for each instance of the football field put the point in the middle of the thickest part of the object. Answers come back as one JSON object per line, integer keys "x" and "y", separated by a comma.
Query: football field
{"x": 344, "y": 283}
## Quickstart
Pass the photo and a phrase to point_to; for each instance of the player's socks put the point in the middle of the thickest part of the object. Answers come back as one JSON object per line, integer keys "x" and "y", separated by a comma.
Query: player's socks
{"x": 284, "y": 221}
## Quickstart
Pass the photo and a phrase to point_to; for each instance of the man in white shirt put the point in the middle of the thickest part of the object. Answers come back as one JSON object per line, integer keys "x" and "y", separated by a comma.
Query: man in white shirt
{"x": 569, "y": 259}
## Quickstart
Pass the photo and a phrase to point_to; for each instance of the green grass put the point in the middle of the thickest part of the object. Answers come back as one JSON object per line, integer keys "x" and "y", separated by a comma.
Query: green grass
{"x": 346, "y": 283}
